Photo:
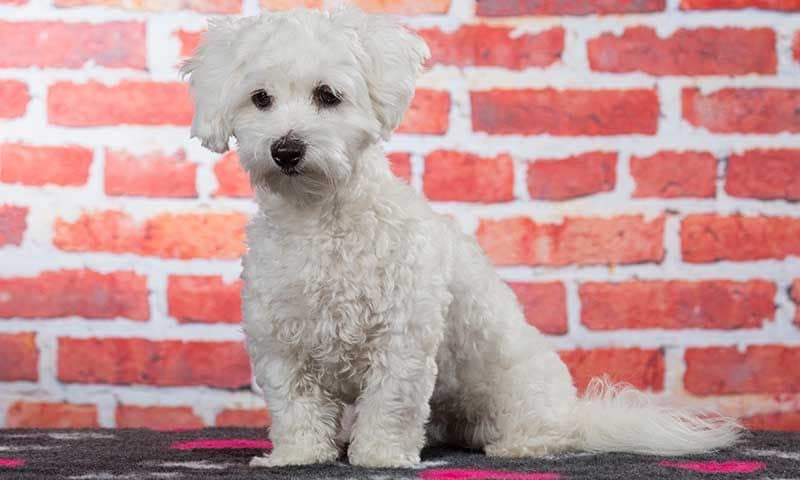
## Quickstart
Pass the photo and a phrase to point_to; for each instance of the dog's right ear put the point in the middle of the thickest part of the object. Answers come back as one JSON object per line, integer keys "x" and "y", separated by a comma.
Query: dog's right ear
{"x": 212, "y": 68}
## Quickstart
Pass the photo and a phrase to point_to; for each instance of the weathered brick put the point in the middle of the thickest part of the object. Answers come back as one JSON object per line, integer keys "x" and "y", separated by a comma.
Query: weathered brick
{"x": 157, "y": 418}
{"x": 794, "y": 292}
{"x": 709, "y": 304}
{"x": 429, "y": 113}
{"x": 671, "y": 174}
{"x": 71, "y": 45}
{"x": 404, "y": 7}
{"x": 182, "y": 235}
{"x": 232, "y": 180}
{"x": 483, "y": 45}
{"x": 20, "y": 357}
{"x": 189, "y": 40}
{"x": 764, "y": 174}
{"x": 544, "y": 304}
{"x": 400, "y": 163}
{"x": 204, "y": 299}
{"x": 710, "y": 237}
{"x": 126, "y": 361}
{"x": 565, "y": 112}
{"x": 13, "y": 223}
{"x": 508, "y": 8}
{"x": 460, "y": 176}
{"x": 82, "y": 293}
{"x": 153, "y": 174}
{"x": 94, "y": 104}
{"x": 243, "y": 418}
{"x": 784, "y": 5}
{"x": 36, "y": 165}
{"x": 700, "y": 51}
{"x": 796, "y": 47}
{"x": 775, "y": 421}
{"x": 582, "y": 241}
{"x": 14, "y": 98}
{"x": 642, "y": 368}
{"x": 759, "y": 369}
{"x": 576, "y": 176}
{"x": 204, "y": 6}
{"x": 23, "y": 414}
{"x": 743, "y": 110}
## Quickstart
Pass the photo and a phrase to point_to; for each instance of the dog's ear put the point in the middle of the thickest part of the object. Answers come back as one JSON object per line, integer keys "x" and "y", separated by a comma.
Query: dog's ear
{"x": 212, "y": 68}
{"x": 392, "y": 61}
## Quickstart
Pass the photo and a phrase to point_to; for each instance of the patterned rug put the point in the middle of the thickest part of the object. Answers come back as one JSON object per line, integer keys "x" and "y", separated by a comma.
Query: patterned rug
{"x": 225, "y": 452}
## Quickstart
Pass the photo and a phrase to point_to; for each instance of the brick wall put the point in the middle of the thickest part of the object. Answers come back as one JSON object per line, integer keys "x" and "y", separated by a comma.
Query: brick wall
{"x": 633, "y": 169}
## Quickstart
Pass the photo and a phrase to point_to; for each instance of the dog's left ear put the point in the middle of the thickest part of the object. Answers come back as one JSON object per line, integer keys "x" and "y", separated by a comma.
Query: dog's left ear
{"x": 393, "y": 59}
{"x": 212, "y": 70}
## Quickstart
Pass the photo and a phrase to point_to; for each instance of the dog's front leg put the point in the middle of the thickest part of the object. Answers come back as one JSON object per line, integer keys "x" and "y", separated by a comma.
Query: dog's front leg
{"x": 305, "y": 418}
{"x": 391, "y": 412}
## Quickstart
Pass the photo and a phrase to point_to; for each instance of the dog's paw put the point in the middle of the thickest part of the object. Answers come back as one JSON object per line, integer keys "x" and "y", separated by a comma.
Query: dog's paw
{"x": 296, "y": 456}
{"x": 382, "y": 458}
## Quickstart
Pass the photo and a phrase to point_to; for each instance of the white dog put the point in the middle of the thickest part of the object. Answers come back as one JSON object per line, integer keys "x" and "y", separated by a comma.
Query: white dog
{"x": 357, "y": 293}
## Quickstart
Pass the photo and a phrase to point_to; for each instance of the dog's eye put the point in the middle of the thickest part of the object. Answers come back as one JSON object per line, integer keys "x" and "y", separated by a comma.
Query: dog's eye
{"x": 261, "y": 99}
{"x": 325, "y": 97}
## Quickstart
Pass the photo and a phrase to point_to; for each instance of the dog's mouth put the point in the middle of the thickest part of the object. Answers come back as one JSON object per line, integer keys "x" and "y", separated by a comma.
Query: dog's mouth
{"x": 291, "y": 172}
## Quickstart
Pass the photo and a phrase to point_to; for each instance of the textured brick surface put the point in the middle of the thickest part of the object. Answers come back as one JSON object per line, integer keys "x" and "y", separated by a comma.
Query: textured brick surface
{"x": 39, "y": 165}
{"x": 641, "y": 368}
{"x": 780, "y": 421}
{"x": 459, "y": 176}
{"x": 565, "y": 112}
{"x": 744, "y": 110}
{"x": 505, "y": 8}
{"x": 157, "y": 418}
{"x": 671, "y": 174}
{"x": 709, "y": 238}
{"x": 242, "y": 418}
{"x": 13, "y": 222}
{"x": 23, "y": 414}
{"x": 204, "y": 6}
{"x": 20, "y": 358}
{"x": 758, "y": 369}
{"x": 782, "y": 5}
{"x": 204, "y": 299}
{"x": 544, "y": 304}
{"x": 764, "y": 174}
{"x": 154, "y": 174}
{"x": 428, "y": 113}
{"x": 14, "y": 98}
{"x": 578, "y": 176}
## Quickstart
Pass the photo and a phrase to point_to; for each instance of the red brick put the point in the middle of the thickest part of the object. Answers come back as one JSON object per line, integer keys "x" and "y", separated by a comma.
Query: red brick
{"x": 400, "y": 163}
{"x": 776, "y": 421}
{"x": 13, "y": 223}
{"x": 205, "y": 6}
{"x": 198, "y": 299}
{"x": 671, "y": 174}
{"x": 544, "y": 304}
{"x": 725, "y": 370}
{"x": 743, "y": 110}
{"x": 157, "y": 418}
{"x": 577, "y": 176}
{"x": 795, "y": 294}
{"x": 126, "y": 361}
{"x": 764, "y": 174}
{"x": 189, "y": 40}
{"x": 40, "y": 165}
{"x": 482, "y": 45}
{"x": 23, "y": 414}
{"x": 71, "y": 45}
{"x": 459, "y": 176}
{"x": 14, "y": 98}
{"x": 509, "y": 8}
{"x": 701, "y": 51}
{"x": 644, "y": 369}
{"x": 232, "y": 180}
{"x": 565, "y": 112}
{"x": 20, "y": 358}
{"x": 183, "y": 235}
{"x": 582, "y": 241}
{"x": 428, "y": 114}
{"x": 13, "y": 2}
{"x": 709, "y": 238}
{"x": 94, "y": 104}
{"x": 405, "y": 7}
{"x": 83, "y": 293}
{"x": 710, "y": 304}
{"x": 154, "y": 174}
{"x": 796, "y": 46}
{"x": 243, "y": 418}
{"x": 785, "y": 5}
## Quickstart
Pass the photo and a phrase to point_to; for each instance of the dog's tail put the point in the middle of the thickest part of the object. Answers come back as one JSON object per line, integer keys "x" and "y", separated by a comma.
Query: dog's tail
{"x": 618, "y": 418}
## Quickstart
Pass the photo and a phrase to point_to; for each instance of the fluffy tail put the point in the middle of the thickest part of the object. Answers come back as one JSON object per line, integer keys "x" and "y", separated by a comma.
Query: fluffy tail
{"x": 618, "y": 418}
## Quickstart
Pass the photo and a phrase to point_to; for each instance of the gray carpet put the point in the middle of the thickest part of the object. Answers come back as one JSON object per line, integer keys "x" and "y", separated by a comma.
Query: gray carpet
{"x": 225, "y": 452}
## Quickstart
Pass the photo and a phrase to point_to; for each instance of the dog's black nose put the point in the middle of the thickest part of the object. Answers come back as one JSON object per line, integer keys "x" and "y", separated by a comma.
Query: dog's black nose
{"x": 287, "y": 152}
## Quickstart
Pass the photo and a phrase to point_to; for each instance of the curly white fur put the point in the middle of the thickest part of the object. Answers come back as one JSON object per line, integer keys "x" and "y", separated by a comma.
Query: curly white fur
{"x": 356, "y": 292}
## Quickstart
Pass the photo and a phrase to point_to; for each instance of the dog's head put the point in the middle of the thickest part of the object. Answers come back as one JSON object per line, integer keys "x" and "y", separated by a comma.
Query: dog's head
{"x": 303, "y": 92}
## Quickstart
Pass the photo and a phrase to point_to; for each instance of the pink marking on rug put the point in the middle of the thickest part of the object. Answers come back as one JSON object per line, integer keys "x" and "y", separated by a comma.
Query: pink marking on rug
{"x": 734, "y": 466}
{"x": 230, "y": 443}
{"x": 11, "y": 462}
{"x": 474, "y": 474}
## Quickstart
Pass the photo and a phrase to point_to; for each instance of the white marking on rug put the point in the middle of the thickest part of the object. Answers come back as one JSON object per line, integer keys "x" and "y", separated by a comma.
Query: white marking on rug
{"x": 430, "y": 463}
{"x": 22, "y": 448}
{"x": 200, "y": 465}
{"x": 125, "y": 476}
{"x": 80, "y": 436}
{"x": 774, "y": 453}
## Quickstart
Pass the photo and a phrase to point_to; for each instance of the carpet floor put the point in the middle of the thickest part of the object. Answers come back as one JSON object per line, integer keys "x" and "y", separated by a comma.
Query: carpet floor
{"x": 225, "y": 452}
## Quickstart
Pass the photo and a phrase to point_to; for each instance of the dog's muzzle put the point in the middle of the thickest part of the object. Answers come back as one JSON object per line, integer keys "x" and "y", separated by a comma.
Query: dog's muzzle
{"x": 287, "y": 152}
